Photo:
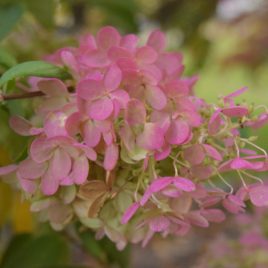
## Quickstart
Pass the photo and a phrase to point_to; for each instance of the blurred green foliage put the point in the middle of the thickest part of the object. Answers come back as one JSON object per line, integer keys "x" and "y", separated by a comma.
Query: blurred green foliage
{"x": 28, "y": 251}
{"x": 9, "y": 17}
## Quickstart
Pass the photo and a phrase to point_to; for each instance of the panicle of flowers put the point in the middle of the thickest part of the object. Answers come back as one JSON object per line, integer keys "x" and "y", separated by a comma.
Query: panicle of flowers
{"x": 131, "y": 151}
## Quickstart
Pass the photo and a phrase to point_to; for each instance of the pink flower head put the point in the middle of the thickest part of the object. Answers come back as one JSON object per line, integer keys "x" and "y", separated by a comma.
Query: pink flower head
{"x": 95, "y": 55}
{"x": 124, "y": 139}
{"x": 103, "y": 97}
{"x": 54, "y": 161}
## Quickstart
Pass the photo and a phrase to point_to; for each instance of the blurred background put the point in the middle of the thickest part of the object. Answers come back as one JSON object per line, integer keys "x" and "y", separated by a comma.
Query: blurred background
{"x": 225, "y": 42}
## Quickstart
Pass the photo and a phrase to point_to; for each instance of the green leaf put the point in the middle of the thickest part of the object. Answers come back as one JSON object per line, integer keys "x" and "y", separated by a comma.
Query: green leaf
{"x": 6, "y": 59}
{"x": 26, "y": 251}
{"x": 33, "y": 68}
{"x": 9, "y": 16}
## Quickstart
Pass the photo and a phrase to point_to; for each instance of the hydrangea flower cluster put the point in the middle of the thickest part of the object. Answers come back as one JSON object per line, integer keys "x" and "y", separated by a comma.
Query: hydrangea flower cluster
{"x": 127, "y": 148}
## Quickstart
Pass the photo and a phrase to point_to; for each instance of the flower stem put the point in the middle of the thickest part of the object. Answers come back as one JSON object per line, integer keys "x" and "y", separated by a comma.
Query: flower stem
{"x": 18, "y": 96}
{"x": 25, "y": 95}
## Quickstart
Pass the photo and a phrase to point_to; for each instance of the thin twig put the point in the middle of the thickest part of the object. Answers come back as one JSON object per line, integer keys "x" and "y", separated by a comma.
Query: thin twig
{"x": 26, "y": 95}
{"x": 17, "y": 96}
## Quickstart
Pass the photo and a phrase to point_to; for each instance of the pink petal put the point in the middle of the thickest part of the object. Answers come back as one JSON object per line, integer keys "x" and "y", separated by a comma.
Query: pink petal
{"x": 23, "y": 127}
{"x": 239, "y": 163}
{"x": 95, "y": 59}
{"x": 112, "y": 78}
{"x": 213, "y": 215}
{"x": 60, "y": 164}
{"x": 129, "y": 41}
{"x": 117, "y": 53}
{"x": 69, "y": 60}
{"x": 193, "y": 117}
{"x": 80, "y": 170}
{"x": 111, "y": 157}
{"x": 104, "y": 126}
{"x": 197, "y": 219}
{"x": 160, "y": 183}
{"x": 170, "y": 63}
{"x": 151, "y": 138}
{"x": 135, "y": 112}
{"x": 233, "y": 205}
{"x": 117, "y": 107}
{"x": 194, "y": 154}
{"x": 242, "y": 194}
{"x": 90, "y": 89}
{"x": 261, "y": 121}
{"x": 41, "y": 150}
{"x": 28, "y": 169}
{"x": 146, "y": 55}
{"x": 214, "y": 122}
{"x": 157, "y": 40}
{"x": 130, "y": 212}
{"x": 49, "y": 184}
{"x": 235, "y": 199}
{"x": 91, "y": 134}
{"x": 121, "y": 96}
{"x": 152, "y": 75}
{"x": 156, "y": 186}
{"x": 170, "y": 191}
{"x": 183, "y": 229}
{"x": 108, "y": 36}
{"x": 52, "y": 87}
{"x": 184, "y": 184}
{"x": 72, "y": 124}
{"x": 101, "y": 109}
{"x": 55, "y": 125}
{"x": 108, "y": 138}
{"x": 228, "y": 98}
{"x": 156, "y": 98}
{"x": 159, "y": 224}
{"x": 211, "y": 201}
{"x": 235, "y": 111}
{"x": 176, "y": 89}
{"x": 90, "y": 154}
{"x": 7, "y": 169}
{"x": 212, "y": 152}
{"x": 162, "y": 119}
{"x": 129, "y": 67}
{"x": 163, "y": 154}
{"x": 28, "y": 186}
{"x": 259, "y": 195}
{"x": 178, "y": 132}
{"x": 87, "y": 42}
